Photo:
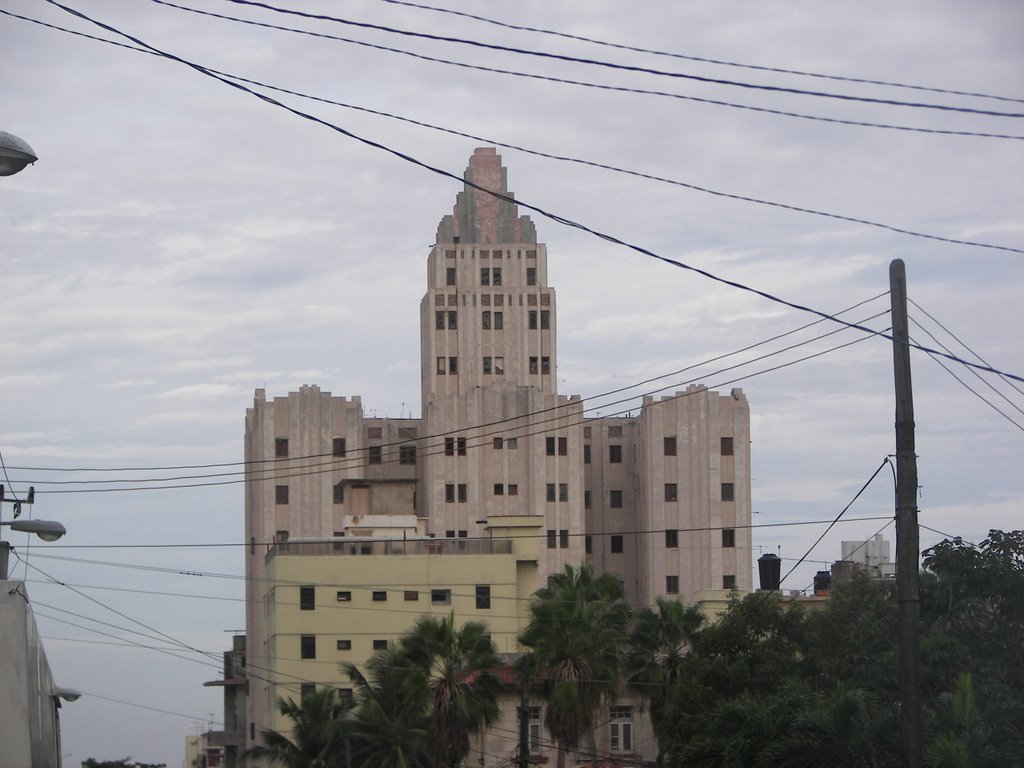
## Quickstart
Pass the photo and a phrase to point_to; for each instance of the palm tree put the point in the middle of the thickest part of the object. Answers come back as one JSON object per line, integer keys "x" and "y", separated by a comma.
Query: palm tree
{"x": 317, "y": 739}
{"x": 577, "y": 631}
{"x": 388, "y": 725}
{"x": 456, "y": 666}
{"x": 659, "y": 642}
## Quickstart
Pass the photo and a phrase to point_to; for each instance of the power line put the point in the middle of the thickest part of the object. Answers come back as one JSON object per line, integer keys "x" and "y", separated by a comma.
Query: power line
{"x": 540, "y": 211}
{"x": 701, "y": 59}
{"x": 548, "y": 78}
{"x": 303, "y": 457}
{"x": 605, "y": 64}
{"x": 973, "y": 391}
{"x": 958, "y": 340}
{"x": 317, "y": 469}
{"x": 837, "y": 518}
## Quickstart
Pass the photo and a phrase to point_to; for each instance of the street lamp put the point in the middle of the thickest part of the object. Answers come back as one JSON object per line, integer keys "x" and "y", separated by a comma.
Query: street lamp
{"x": 15, "y": 154}
{"x": 47, "y": 530}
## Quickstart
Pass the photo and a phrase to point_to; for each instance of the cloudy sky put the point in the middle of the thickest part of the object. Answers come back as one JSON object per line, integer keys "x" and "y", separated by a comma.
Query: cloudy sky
{"x": 181, "y": 243}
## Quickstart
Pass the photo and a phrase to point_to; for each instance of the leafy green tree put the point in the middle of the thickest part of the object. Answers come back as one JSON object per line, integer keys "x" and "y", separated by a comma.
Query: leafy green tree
{"x": 965, "y": 740}
{"x": 389, "y": 722}
{"x": 658, "y": 644}
{"x": 577, "y": 635}
{"x": 318, "y": 732}
{"x": 456, "y": 666}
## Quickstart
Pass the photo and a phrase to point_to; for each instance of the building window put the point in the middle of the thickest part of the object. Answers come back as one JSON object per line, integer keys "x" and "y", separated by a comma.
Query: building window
{"x": 380, "y": 645}
{"x": 307, "y": 598}
{"x": 449, "y": 493}
{"x": 499, "y": 366}
{"x": 374, "y": 454}
{"x": 485, "y": 319}
{"x": 671, "y": 538}
{"x": 728, "y": 492}
{"x": 545, "y": 319}
{"x": 380, "y": 596}
{"x": 450, "y": 276}
{"x": 441, "y": 597}
{"x": 460, "y": 446}
{"x": 563, "y": 491}
{"x": 549, "y": 446}
{"x": 511, "y": 443}
{"x": 280, "y": 447}
{"x": 563, "y": 539}
{"x": 483, "y": 597}
{"x": 588, "y": 544}
{"x": 552, "y": 538}
{"x": 728, "y": 537}
{"x": 462, "y": 493}
{"x": 672, "y": 585}
{"x": 306, "y": 690}
{"x": 614, "y": 454}
{"x": 670, "y": 446}
{"x": 344, "y": 596}
{"x": 621, "y": 729}
{"x": 586, "y": 453}
{"x": 439, "y": 320}
{"x": 496, "y": 276}
{"x": 344, "y": 645}
{"x": 727, "y": 446}
{"x": 545, "y": 365}
{"x": 307, "y": 647}
{"x": 487, "y": 366}
{"x": 407, "y": 454}
{"x": 563, "y": 446}
{"x": 339, "y": 446}
{"x": 615, "y": 499}
{"x": 497, "y": 443}
{"x": 729, "y": 581}
{"x": 339, "y": 493}
{"x": 281, "y": 494}
{"x": 616, "y": 545}
{"x": 533, "y": 365}
{"x": 499, "y": 321}
{"x": 453, "y": 320}
{"x": 551, "y": 492}
{"x": 449, "y": 446}
{"x": 450, "y": 534}
{"x": 671, "y": 492}
{"x": 412, "y": 595}
{"x": 532, "y": 319}
{"x": 485, "y": 276}
{"x": 513, "y": 489}
{"x": 535, "y": 732}
{"x": 440, "y": 366}
{"x": 586, "y": 500}
{"x": 499, "y": 489}
{"x": 453, "y": 365}
{"x": 531, "y": 275}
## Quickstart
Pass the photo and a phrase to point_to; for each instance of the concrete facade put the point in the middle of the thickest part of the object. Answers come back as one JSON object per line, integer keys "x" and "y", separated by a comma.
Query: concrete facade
{"x": 662, "y": 498}
{"x": 29, "y": 725}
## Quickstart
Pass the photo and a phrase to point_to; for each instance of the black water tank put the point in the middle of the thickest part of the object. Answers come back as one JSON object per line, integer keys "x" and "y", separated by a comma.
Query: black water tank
{"x": 769, "y": 568}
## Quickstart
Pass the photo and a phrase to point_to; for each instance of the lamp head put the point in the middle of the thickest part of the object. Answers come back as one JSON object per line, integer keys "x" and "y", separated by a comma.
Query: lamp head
{"x": 15, "y": 154}
{"x": 47, "y": 530}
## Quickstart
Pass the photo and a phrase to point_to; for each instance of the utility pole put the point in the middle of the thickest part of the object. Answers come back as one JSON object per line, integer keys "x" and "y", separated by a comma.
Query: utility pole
{"x": 907, "y": 534}
{"x": 524, "y": 712}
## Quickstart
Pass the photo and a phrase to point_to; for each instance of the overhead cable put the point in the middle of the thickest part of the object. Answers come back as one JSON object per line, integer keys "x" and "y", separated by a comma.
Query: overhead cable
{"x": 528, "y": 206}
{"x": 564, "y": 81}
{"x": 607, "y": 64}
{"x": 700, "y": 59}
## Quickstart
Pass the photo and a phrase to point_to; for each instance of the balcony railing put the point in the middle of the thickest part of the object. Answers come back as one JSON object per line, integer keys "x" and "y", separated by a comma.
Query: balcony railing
{"x": 357, "y": 547}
